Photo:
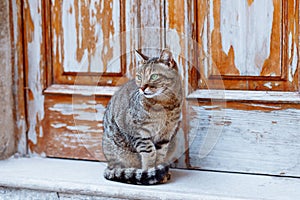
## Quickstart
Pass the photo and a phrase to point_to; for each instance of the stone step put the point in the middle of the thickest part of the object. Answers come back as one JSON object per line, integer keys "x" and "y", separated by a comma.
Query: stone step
{"x": 45, "y": 178}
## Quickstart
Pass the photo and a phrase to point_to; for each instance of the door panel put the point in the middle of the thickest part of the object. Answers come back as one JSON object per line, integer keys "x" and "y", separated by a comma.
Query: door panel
{"x": 85, "y": 41}
{"x": 249, "y": 33}
{"x": 248, "y": 45}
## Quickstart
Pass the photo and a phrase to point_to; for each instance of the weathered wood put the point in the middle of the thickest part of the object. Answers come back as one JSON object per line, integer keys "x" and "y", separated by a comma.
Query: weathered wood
{"x": 86, "y": 43}
{"x": 72, "y": 128}
{"x": 245, "y": 138}
{"x": 18, "y": 75}
{"x": 243, "y": 55}
{"x": 84, "y": 90}
{"x": 249, "y": 96}
{"x": 35, "y": 73}
{"x": 248, "y": 44}
{"x": 151, "y": 24}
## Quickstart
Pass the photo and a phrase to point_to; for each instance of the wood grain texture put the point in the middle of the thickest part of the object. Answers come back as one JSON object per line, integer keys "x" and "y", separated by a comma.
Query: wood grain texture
{"x": 73, "y": 127}
{"x": 18, "y": 75}
{"x": 248, "y": 140}
{"x": 151, "y": 24}
{"x": 35, "y": 73}
{"x": 246, "y": 96}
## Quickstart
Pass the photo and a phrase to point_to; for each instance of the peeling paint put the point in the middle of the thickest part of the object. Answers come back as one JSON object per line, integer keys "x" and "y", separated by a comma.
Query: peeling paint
{"x": 34, "y": 79}
{"x": 58, "y": 125}
{"x": 268, "y": 85}
{"x": 80, "y": 111}
{"x": 83, "y": 129}
{"x": 293, "y": 64}
{"x": 251, "y": 141}
{"x": 249, "y": 41}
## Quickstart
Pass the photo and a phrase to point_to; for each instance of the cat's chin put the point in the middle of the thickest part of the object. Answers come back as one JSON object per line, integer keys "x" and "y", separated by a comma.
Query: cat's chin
{"x": 149, "y": 96}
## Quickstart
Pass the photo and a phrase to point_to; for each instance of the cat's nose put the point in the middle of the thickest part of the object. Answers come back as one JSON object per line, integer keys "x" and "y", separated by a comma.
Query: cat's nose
{"x": 144, "y": 87}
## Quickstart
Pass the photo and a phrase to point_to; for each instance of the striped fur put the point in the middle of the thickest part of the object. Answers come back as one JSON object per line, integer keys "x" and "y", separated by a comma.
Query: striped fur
{"x": 141, "y": 122}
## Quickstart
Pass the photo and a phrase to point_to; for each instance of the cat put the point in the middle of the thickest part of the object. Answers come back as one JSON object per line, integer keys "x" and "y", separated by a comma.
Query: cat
{"x": 141, "y": 122}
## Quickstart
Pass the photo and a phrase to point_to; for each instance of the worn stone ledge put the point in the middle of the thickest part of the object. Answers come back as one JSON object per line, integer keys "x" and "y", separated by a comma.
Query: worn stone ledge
{"x": 38, "y": 178}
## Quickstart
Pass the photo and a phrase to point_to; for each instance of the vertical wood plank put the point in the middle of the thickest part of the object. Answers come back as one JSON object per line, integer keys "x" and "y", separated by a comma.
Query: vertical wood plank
{"x": 34, "y": 71}
{"x": 178, "y": 39}
{"x": 131, "y": 34}
{"x": 293, "y": 33}
{"x": 18, "y": 75}
{"x": 151, "y": 22}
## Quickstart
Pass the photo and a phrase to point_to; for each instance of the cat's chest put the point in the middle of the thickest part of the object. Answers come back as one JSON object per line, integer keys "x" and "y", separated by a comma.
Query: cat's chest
{"x": 155, "y": 121}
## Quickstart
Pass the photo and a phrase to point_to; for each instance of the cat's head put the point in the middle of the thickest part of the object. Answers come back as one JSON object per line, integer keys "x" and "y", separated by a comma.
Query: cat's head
{"x": 157, "y": 77}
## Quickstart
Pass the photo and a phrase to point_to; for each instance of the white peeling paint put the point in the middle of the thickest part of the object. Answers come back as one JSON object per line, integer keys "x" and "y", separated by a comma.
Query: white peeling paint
{"x": 293, "y": 64}
{"x": 71, "y": 64}
{"x": 83, "y": 129}
{"x": 114, "y": 65}
{"x": 290, "y": 44}
{"x": 248, "y": 30}
{"x": 268, "y": 85}
{"x": 35, "y": 106}
{"x": 79, "y": 111}
{"x": 265, "y": 106}
{"x": 173, "y": 42}
{"x": 58, "y": 125}
{"x": 211, "y": 19}
{"x": 206, "y": 63}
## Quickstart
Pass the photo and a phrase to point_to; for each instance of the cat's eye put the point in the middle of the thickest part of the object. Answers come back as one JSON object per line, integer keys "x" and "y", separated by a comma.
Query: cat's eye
{"x": 154, "y": 77}
{"x": 138, "y": 77}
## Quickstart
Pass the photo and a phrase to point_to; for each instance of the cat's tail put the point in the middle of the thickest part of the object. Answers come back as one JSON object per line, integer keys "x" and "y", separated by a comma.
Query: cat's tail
{"x": 152, "y": 176}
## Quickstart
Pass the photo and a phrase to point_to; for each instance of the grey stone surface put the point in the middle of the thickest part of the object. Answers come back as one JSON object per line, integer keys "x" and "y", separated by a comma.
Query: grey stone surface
{"x": 25, "y": 194}
{"x": 70, "y": 179}
{"x": 7, "y": 137}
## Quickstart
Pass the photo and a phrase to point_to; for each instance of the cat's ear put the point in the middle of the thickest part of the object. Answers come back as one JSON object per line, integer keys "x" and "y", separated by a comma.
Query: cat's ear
{"x": 141, "y": 56}
{"x": 167, "y": 57}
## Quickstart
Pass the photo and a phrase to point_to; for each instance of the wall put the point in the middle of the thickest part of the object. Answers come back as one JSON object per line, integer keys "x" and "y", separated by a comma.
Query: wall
{"x": 7, "y": 137}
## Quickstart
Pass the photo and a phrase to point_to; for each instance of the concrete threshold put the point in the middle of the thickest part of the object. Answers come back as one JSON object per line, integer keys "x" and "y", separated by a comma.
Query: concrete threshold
{"x": 46, "y": 178}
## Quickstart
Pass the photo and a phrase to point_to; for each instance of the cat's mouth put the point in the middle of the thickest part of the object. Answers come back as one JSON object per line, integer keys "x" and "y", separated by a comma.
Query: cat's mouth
{"x": 150, "y": 94}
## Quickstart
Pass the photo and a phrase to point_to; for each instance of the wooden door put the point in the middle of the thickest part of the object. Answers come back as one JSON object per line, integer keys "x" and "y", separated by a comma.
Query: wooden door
{"x": 239, "y": 62}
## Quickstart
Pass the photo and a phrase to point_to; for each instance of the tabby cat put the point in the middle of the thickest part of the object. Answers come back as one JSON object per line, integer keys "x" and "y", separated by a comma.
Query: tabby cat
{"x": 141, "y": 122}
